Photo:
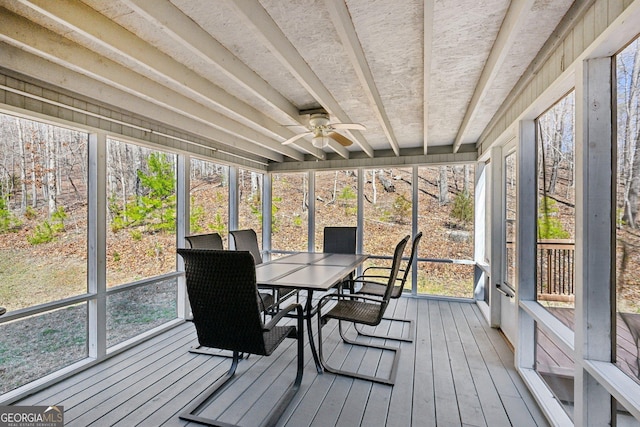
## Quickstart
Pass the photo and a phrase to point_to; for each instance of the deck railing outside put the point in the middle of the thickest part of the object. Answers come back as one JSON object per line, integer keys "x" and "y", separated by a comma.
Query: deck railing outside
{"x": 555, "y": 270}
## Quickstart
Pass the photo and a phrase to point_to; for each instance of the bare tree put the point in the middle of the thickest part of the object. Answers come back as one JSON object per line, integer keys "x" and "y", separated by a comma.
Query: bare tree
{"x": 443, "y": 186}
{"x": 631, "y": 146}
{"x": 50, "y": 171}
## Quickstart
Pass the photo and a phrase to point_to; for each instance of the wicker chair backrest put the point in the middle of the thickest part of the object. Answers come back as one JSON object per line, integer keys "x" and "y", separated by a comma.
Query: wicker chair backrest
{"x": 339, "y": 240}
{"x": 222, "y": 291}
{"x": 414, "y": 249}
{"x": 247, "y": 240}
{"x": 393, "y": 273}
{"x": 205, "y": 241}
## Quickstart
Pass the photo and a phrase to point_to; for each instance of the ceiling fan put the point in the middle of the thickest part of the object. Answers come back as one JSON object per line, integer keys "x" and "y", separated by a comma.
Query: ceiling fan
{"x": 322, "y": 130}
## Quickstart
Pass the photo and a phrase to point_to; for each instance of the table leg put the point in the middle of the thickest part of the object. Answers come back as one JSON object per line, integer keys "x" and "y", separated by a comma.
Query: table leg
{"x": 309, "y": 317}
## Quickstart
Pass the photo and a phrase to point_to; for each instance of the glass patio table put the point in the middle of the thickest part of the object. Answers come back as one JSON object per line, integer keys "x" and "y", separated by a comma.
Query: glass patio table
{"x": 308, "y": 271}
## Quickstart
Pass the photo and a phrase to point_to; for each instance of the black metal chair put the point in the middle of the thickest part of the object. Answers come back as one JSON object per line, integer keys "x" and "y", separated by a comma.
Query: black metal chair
{"x": 247, "y": 240}
{"x": 214, "y": 241}
{"x": 371, "y": 286}
{"x": 340, "y": 240}
{"x": 205, "y": 241}
{"x": 222, "y": 289}
{"x": 362, "y": 309}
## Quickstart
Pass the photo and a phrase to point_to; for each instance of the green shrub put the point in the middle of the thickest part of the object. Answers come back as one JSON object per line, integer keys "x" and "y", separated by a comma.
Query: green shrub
{"x": 462, "y": 209}
{"x": 401, "y": 209}
{"x": 218, "y": 225}
{"x": 42, "y": 234}
{"x": 47, "y": 231}
{"x": 549, "y": 226}
{"x": 155, "y": 210}
{"x": 30, "y": 213}
{"x": 346, "y": 195}
{"x": 8, "y": 221}
{"x": 196, "y": 216}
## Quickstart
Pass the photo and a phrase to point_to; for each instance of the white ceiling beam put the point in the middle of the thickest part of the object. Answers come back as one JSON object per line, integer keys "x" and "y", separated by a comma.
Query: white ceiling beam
{"x": 513, "y": 21}
{"x": 428, "y": 42}
{"x": 379, "y": 162}
{"x": 341, "y": 19}
{"x": 136, "y": 53}
{"x": 254, "y": 15}
{"x": 37, "y": 67}
{"x": 173, "y": 22}
{"x": 39, "y": 41}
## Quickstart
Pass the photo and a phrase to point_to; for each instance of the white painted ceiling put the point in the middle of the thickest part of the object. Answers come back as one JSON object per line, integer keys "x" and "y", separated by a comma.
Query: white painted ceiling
{"x": 420, "y": 75}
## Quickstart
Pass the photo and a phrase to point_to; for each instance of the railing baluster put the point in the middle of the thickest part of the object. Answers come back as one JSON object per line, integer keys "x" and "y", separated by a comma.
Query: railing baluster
{"x": 555, "y": 269}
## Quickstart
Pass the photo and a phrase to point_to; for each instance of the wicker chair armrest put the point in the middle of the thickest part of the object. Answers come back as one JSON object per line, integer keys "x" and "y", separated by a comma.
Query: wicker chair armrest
{"x": 364, "y": 280}
{"x": 374, "y": 267}
{"x": 338, "y": 295}
{"x": 368, "y": 277}
{"x": 364, "y": 274}
{"x": 282, "y": 313}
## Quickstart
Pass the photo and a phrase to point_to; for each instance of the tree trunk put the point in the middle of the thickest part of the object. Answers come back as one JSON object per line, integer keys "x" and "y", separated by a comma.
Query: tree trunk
{"x": 387, "y": 184}
{"x": 632, "y": 190}
{"x": 443, "y": 186}
{"x": 467, "y": 179}
{"x": 256, "y": 186}
{"x": 374, "y": 187}
{"x": 50, "y": 160}
{"x": 34, "y": 177}
{"x": 23, "y": 168}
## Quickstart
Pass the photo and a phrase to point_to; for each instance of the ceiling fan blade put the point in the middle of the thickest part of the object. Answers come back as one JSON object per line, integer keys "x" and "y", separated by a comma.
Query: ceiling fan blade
{"x": 342, "y": 140}
{"x": 295, "y": 138}
{"x": 354, "y": 126}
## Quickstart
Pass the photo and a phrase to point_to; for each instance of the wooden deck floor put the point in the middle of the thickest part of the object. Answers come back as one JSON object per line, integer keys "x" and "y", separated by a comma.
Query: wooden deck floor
{"x": 458, "y": 372}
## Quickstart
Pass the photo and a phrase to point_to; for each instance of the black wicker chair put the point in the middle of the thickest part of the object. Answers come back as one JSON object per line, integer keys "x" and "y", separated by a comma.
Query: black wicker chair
{"x": 340, "y": 240}
{"x": 222, "y": 289}
{"x": 247, "y": 240}
{"x": 371, "y": 285}
{"x": 362, "y": 309}
{"x": 214, "y": 241}
{"x": 205, "y": 241}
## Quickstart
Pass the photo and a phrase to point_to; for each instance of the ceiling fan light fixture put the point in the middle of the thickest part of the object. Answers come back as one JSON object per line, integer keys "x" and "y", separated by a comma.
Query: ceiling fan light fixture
{"x": 320, "y": 141}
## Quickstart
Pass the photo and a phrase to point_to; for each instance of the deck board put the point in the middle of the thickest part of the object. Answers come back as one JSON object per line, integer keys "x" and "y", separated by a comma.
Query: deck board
{"x": 458, "y": 371}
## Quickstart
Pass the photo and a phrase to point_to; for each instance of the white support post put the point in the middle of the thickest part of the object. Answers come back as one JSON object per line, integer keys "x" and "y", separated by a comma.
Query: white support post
{"x": 595, "y": 234}
{"x": 479, "y": 215}
{"x": 233, "y": 199}
{"x": 526, "y": 240}
{"x": 97, "y": 243}
{"x": 360, "y": 239}
{"x": 415, "y": 195}
{"x": 311, "y": 217}
{"x": 497, "y": 222}
{"x": 267, "y": 213}
{"x": 183, "y": 215}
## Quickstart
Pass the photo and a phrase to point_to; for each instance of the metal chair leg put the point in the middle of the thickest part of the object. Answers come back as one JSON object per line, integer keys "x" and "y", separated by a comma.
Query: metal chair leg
{"x": 219, "y": 385}
{"x": 387, "y": 337}
{"x": 214, "y": 352}
{"x": 390, "y": 380}
{"x": 208, "y": 394}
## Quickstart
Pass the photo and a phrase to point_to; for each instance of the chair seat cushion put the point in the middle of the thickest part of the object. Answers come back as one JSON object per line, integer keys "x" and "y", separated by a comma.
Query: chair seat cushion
{"x": 378, "y": 289}
{"x": 356, "y": 311}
